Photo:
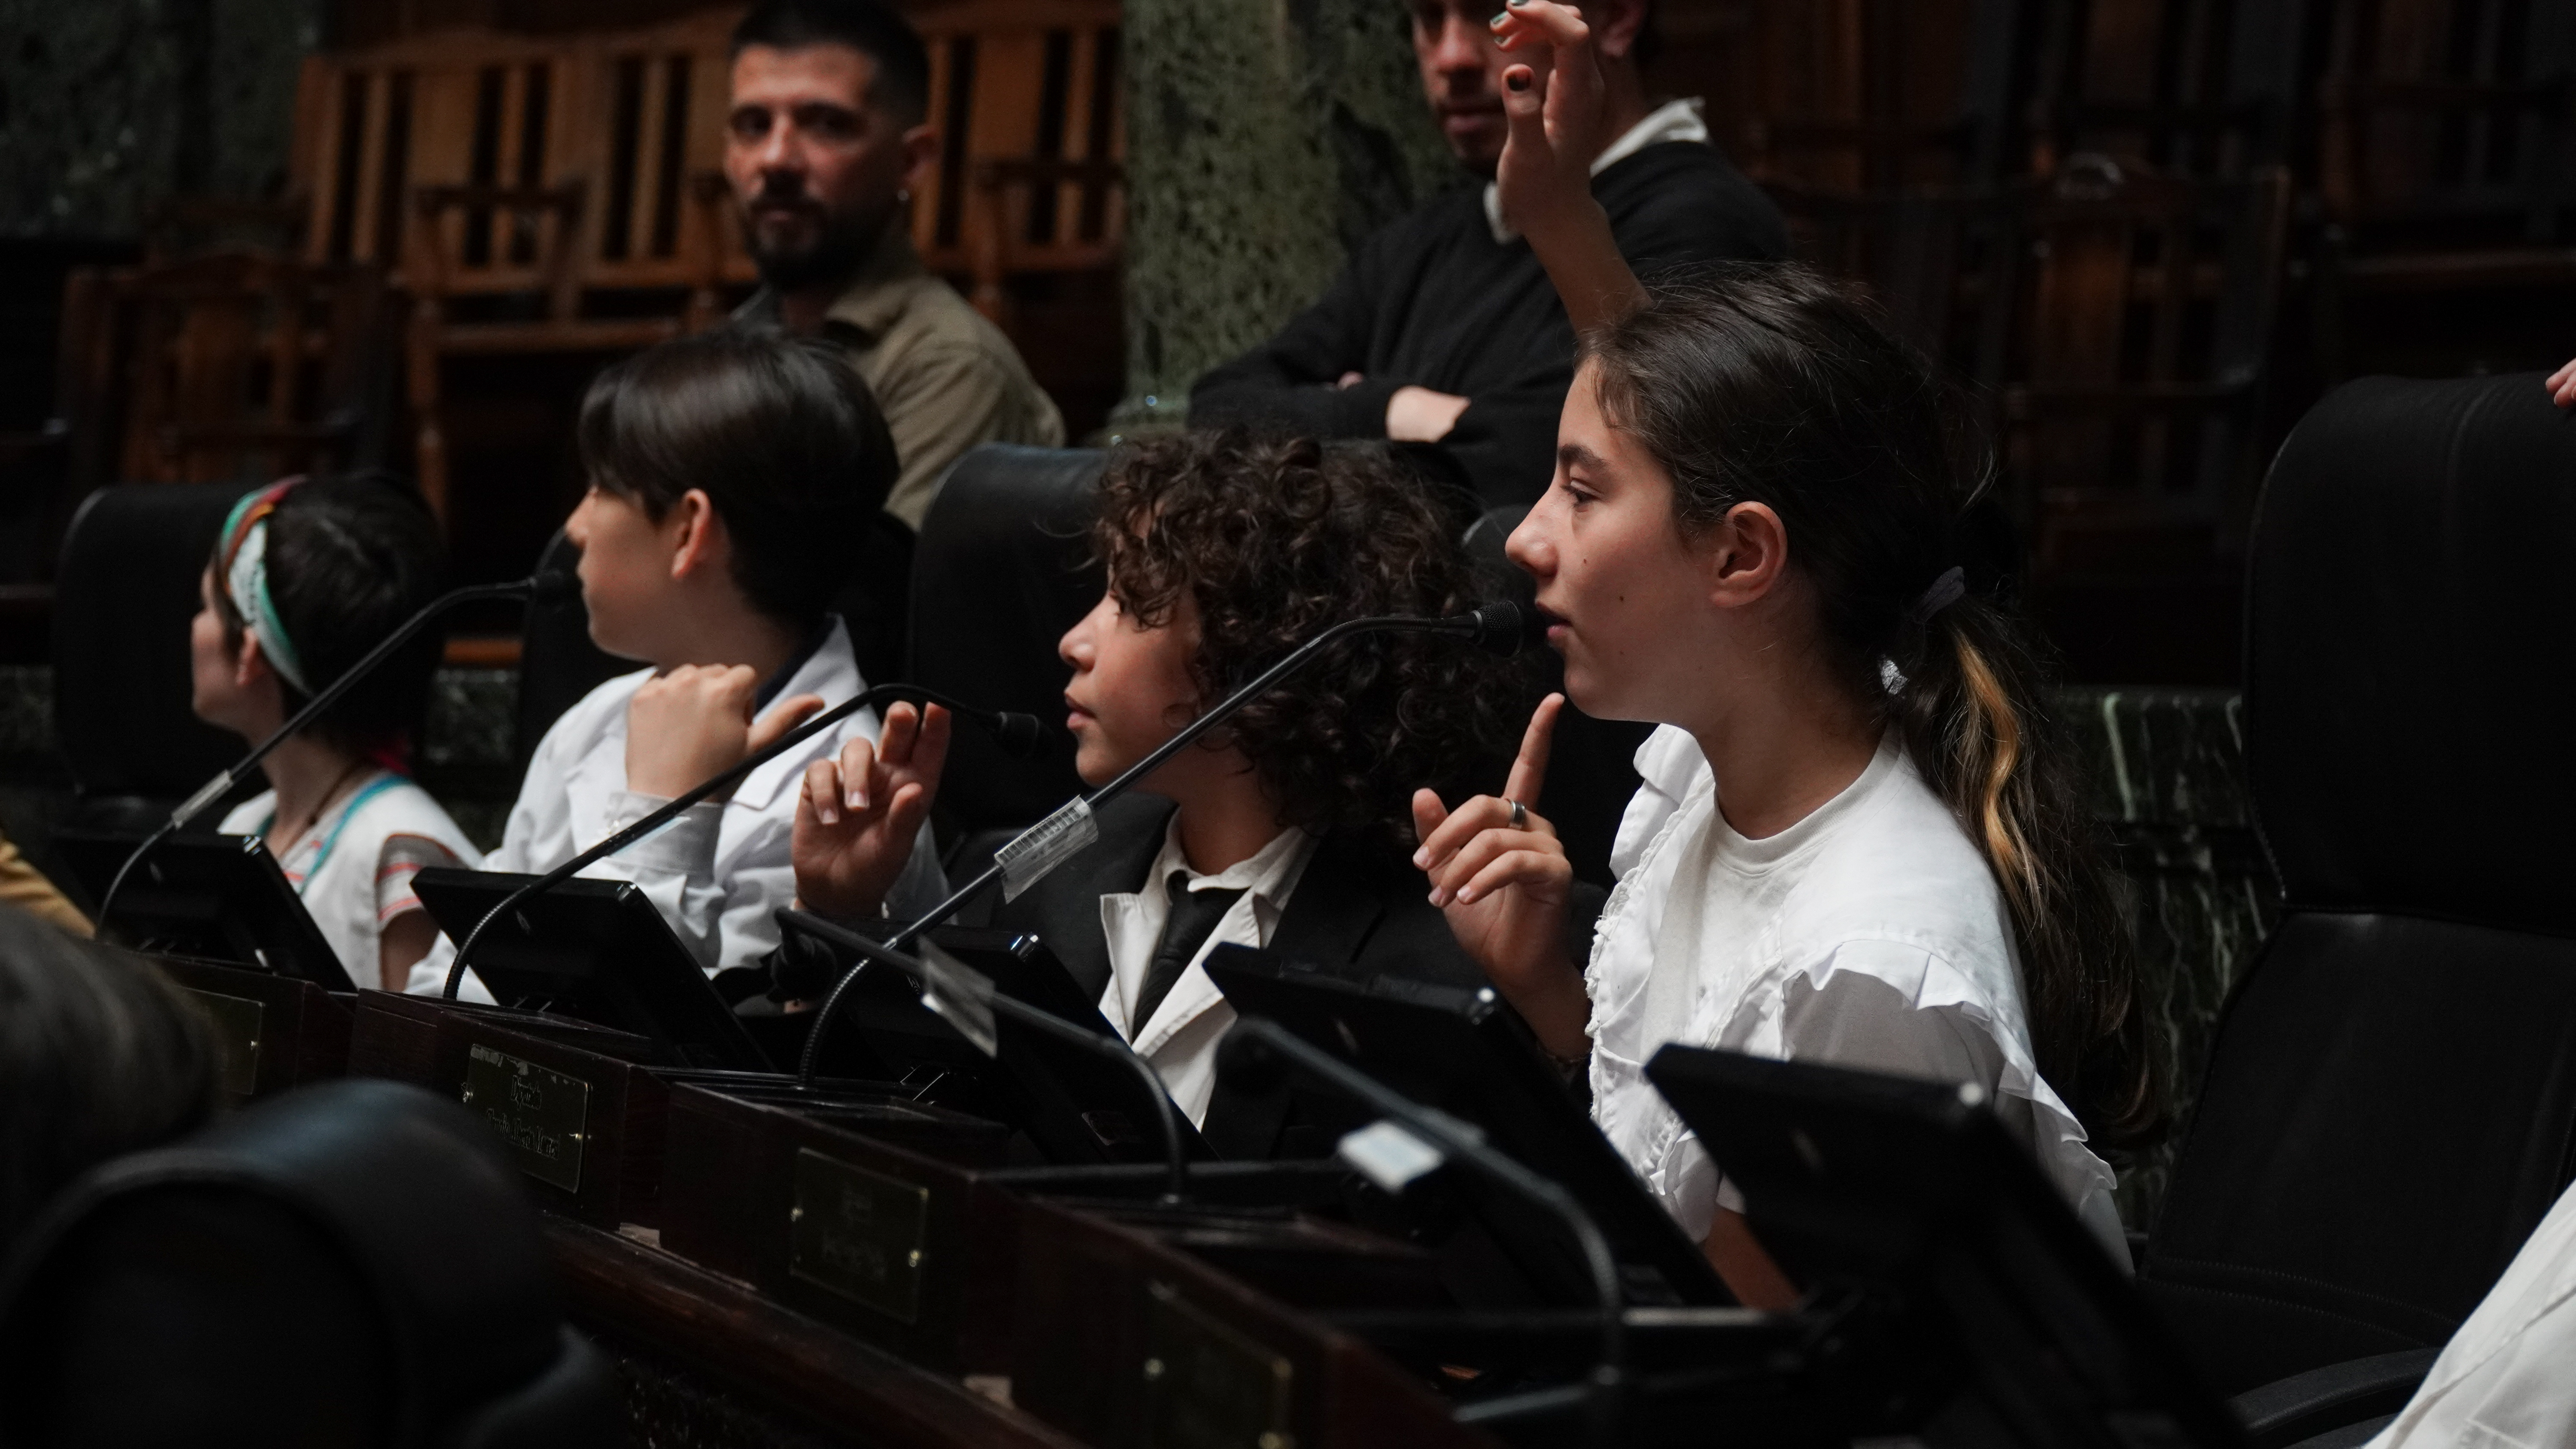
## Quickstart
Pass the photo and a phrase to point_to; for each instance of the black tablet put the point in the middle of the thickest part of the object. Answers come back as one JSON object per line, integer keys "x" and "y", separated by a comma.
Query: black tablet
{"x": 1076, "y": 1106}
{"x": 1470, "y": 1055}
{"x": 1914, "y": 1189}
{"x": 214, "y": 897}
{"x": 593, "y": 949}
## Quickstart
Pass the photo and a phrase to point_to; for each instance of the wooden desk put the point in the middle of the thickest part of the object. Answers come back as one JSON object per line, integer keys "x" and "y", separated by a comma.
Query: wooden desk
{"x": 707, "y": 1361}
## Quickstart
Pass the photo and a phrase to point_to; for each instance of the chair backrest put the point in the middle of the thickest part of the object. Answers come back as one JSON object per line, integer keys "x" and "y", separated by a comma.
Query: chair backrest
{"x": 1026, "y": 97}
{"x": 557, "y": 662}
{"x": 2196, "y": 87}
{"x": 2388, "y": 1111}
{"x": 352, "y": 1263}
{"x": 125, "y": 589}
{"x": 228, "y": 366}
{"x": 543, "y": 166}
{"x": 2447, "y": 123}
{"x": 1001, "y": 571}
{"x": 1875, "y": 94}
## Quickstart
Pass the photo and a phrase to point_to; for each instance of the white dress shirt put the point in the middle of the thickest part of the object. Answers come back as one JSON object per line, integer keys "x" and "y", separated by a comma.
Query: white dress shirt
{"x": 353, "y": 866}
{"x": 719, "y": 872}
{"x": 1871, "y": 934}
{"x": 1182, "y": 1037}
{"x": 2507, "y": 1379}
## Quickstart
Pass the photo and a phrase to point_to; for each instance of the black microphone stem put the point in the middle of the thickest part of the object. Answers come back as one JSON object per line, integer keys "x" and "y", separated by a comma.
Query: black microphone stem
{"x": 1167, "y": 1116}
{"x": 721, "y": 781}
{"x": 1481, "y": 624}
{"x": 1465, "y": 1143}
{"x": 332, "y": 693}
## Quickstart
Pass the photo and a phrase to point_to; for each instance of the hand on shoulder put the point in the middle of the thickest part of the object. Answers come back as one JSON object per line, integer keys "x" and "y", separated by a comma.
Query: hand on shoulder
{"x": 695, "y": 721}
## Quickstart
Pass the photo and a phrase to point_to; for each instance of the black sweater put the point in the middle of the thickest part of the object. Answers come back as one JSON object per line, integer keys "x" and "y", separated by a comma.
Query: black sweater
{"x": 1434, "y": 300}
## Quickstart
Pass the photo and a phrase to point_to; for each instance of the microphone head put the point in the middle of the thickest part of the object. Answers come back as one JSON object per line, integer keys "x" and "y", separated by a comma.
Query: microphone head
{"x": 554, "y": 586}
{"x": 1018, "y": 734}
{"x": 1502, "y": 627}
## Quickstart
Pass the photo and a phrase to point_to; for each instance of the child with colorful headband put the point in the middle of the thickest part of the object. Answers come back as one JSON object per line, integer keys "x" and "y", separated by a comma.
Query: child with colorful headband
{"x": 305, "y": 579}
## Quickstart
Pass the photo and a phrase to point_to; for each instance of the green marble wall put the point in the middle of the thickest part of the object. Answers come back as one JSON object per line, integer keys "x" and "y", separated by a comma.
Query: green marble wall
{"x": 108, "y": 107}
{"x": 1264, "y": 137}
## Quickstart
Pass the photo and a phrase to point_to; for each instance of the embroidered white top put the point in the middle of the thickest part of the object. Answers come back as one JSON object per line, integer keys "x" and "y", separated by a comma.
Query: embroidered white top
{"x": 2508, "y": 1377}
{"x": 719, "y": 872}
{"x": 1870, "y": 934}
{"x": 353, "y": 865}
{"x": 1182, "y": 1038}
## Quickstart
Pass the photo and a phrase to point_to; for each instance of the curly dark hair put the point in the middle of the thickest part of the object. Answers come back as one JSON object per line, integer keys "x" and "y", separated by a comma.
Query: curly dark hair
{"x": 1275, "y": 539}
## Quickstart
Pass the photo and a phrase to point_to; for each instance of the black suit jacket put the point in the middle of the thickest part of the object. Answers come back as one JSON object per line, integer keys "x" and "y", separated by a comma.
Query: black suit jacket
{"x": 1360, "y": 911}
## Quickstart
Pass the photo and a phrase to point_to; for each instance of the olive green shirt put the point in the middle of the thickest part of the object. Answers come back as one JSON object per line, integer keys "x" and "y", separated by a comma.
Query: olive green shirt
{"x": 945, "y": 377}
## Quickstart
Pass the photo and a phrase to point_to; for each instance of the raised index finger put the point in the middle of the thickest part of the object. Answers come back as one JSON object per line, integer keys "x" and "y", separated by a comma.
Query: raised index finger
{"x": 1529, "y": 771}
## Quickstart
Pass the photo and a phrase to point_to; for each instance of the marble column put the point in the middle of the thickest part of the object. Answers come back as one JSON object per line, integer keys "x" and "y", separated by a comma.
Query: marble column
{"x": 1264, "y": 137}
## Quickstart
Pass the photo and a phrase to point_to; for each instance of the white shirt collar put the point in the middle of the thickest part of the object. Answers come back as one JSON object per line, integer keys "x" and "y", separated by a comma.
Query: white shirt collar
{"x": 1672, "y": 121}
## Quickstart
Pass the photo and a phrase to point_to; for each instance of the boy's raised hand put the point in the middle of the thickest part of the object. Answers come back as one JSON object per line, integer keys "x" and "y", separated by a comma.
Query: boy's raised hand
{"x": 695, "y": 721}
{"x": 2562, "y": 386}
{"x": 1504, "y": 887}
{"x": 858, "y": 815}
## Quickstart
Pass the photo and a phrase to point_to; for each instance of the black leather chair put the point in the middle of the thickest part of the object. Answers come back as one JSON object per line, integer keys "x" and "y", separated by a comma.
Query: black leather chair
{"x": 1003, "y": 568}
{"x": 558, "y": 664}
{"x": 353, "y": 1264}
{"x": 2390, "y": 1105}
{"x": 124, "y": 591}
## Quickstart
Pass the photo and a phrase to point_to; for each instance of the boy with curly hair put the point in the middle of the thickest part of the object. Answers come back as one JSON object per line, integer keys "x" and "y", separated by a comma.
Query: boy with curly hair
{"x": 1289, "y": 826}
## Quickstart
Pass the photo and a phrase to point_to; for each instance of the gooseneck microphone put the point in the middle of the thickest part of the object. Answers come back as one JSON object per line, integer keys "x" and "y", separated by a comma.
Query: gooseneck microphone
{"x": 1499, "y": 628}
{"x": 1017, "y": 734}
{"x": 1166, "y": 1115}
{"x": 1260, "y": 1047}
{"x": 545, "y": 588}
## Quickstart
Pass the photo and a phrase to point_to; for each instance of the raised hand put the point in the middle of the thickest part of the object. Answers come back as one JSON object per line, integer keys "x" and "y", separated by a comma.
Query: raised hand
{"x": 2562, "y": 385}
{"x": 857, "y": 816}
{"x": 695, "y": 721}
{"x": 1558, "y": 112}
{"x": 1504, "y": 885}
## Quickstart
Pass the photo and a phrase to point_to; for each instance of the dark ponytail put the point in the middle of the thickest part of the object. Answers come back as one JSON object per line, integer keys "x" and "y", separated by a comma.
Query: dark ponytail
{"x": 1767, "y": 384}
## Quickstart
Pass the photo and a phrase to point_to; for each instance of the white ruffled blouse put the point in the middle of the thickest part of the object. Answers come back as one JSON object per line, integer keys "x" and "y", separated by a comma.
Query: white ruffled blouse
{"x": 1871, "y": 934}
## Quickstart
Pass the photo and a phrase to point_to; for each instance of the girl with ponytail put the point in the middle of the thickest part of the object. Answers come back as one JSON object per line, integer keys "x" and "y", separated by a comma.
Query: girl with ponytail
{"x": 1859, "y": 840}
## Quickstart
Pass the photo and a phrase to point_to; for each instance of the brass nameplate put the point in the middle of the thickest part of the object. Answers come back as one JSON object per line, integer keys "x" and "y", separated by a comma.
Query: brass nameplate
{"x": 1207, "y": 1384}
{"x": 543, "y": 1114}
{"x": 861, "y": 1234}
{"x": 238, "y": 1024}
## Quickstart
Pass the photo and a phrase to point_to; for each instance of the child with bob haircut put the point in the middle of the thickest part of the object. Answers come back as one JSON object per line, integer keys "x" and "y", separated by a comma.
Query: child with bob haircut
{"x": 306, "y": 577}
{"x": 1286, "y": 826}
{"x": 1859, "y": 839}
{"x": 727, "y": 471}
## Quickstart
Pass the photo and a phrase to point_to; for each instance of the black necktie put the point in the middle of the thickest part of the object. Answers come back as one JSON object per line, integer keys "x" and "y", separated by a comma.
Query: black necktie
{"x": 1187, "y": 924}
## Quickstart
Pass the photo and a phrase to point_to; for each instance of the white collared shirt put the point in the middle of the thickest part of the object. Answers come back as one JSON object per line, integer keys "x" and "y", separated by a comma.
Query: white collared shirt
{"x": 1871, "y": 934}
{"x": 1181, "y": 1039}
{"x": 1672, "y": 121}
{"x": 2508, "y": 1377}
{"x": 719, "y": 872}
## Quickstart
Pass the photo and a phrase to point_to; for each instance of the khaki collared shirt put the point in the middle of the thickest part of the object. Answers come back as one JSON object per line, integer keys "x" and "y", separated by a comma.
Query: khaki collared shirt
{"x": 945, "y": 378}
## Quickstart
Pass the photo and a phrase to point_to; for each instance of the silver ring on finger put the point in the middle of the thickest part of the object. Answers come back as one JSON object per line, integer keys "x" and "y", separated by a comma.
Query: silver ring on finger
{"x": 1520, "y": 812}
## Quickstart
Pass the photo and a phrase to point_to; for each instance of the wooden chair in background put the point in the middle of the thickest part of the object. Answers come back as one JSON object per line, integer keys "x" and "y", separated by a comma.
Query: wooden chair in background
{"x": 1026, "y": 96}
{"x": 2447, "y": 157}
{"x": 530, "y": 195}
{"x": 2193, "y": 87}
{"x": 1866, "y": 95}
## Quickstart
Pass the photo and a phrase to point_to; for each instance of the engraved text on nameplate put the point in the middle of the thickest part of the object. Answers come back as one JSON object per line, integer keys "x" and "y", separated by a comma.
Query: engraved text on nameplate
{"x": 543, "y": 1114}
{"x": 861, "y": 1234}
{"x": 1207, "y": 1384}
{"x": 238, "y": 1024}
